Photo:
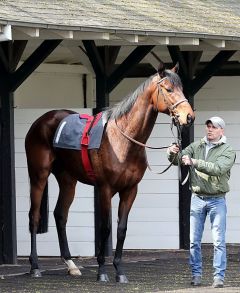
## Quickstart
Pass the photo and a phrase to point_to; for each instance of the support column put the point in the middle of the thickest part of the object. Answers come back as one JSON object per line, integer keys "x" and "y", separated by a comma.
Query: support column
{"x": 8, "y": 239}
{"x": 185, "y": 192}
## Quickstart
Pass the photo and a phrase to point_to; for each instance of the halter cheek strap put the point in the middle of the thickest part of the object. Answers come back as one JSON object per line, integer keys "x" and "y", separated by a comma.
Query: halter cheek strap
{"x": 170, "y": 106}
{"x": 162, "y": 79}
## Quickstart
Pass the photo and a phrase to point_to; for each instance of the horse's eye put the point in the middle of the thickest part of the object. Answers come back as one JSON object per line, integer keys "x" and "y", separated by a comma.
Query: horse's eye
{"x": 169, "y": 90}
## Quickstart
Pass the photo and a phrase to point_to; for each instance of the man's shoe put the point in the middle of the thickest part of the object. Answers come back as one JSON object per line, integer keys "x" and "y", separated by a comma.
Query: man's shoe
{"x": 218, "y": 283}
{"x": 196, "y": 281}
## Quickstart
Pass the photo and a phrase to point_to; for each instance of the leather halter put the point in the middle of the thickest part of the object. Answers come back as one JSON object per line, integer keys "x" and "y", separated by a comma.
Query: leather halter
{"x": 170, "y": 107}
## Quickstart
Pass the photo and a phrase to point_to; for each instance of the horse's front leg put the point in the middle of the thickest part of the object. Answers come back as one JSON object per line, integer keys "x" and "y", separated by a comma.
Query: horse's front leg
{"x": 105, "y": 229}
{"x": 127, "y": 198}
{"x": 66, "y": 194}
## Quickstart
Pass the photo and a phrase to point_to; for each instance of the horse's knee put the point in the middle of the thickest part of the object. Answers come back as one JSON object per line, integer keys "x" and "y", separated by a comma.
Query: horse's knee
{"x": 121, "y": 232}
{"x": 59, "y": 218}
{"x": 34, "y": 219}
{"x": 100, "y": 259}
{"x": 105, "y": 230}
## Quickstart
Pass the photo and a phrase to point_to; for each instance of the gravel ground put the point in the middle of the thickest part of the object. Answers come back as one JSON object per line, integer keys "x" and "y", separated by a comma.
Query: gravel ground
{"x": 147, "y": 271}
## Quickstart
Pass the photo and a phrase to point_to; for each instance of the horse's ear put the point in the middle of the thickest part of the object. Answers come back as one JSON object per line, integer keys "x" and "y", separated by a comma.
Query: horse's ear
{"x": 161, "y": 68}
{"x": 175, "y": 68}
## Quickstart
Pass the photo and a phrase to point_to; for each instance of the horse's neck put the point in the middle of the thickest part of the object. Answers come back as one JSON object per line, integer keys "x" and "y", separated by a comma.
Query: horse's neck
{"x": 140, "y": 121}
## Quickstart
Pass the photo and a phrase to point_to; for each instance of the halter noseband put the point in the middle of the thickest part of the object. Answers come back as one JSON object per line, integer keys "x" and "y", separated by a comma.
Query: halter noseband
{"x": 169, "y": 105}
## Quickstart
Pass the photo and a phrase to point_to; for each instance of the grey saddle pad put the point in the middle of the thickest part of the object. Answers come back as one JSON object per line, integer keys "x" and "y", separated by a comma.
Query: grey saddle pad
{"x": 69, "y": 133}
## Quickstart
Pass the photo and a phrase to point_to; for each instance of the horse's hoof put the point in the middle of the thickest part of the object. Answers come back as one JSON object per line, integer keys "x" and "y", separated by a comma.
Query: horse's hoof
{"x": 102, "y": 278}
{"x": 35, "y": 273}
{"x": 74, "y": 272}
{"x": 121, "y": 279}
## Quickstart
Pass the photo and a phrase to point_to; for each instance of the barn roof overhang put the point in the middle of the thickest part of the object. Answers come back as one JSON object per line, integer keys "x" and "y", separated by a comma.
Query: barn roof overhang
{"x": 69, "y": 53}
{"x": 206, "y": 26}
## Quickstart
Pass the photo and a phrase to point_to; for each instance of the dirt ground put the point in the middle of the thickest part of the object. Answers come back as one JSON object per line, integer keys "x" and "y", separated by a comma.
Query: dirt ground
{"x": 147, "y": 271}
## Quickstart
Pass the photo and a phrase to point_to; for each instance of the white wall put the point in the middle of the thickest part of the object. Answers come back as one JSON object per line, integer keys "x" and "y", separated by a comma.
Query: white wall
{"x": 55, "y": 86}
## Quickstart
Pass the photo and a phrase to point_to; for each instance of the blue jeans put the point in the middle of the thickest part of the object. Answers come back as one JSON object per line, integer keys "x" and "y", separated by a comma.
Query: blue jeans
{"x": 215, "y": 207}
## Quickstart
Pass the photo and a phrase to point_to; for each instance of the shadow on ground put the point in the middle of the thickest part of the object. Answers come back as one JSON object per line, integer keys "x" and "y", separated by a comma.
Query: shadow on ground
{"x": 147, "y": 271}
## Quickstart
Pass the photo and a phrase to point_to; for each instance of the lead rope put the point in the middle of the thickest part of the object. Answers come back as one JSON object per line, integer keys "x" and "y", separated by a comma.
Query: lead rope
{"x": 170, "y": 165}
{"x": 178, "y": 141}
{"x": 138, "y": 142}
{"x": 146, "y": 146}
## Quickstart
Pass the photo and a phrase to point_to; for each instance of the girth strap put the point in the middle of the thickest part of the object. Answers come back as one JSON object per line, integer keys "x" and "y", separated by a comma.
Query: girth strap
{"x": 91, "y": 121}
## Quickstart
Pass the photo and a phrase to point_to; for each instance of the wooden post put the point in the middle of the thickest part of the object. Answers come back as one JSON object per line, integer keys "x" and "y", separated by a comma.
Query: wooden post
{"x": 8, "y": 242}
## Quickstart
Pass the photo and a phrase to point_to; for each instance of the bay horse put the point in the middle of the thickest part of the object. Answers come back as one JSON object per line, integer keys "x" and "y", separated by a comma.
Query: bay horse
{"x": 118, "y": 164}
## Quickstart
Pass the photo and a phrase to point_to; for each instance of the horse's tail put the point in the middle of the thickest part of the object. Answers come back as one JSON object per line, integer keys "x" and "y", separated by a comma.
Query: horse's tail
{"x": 44, "y": 209}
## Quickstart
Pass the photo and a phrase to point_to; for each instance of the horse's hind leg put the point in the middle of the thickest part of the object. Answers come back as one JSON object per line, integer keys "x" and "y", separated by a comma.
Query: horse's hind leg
{"x": 37, "y": 215}
{"x": 66, "y": 194}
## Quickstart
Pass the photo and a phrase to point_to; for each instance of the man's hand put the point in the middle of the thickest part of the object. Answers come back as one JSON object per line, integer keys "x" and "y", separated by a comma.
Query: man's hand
{"x": 187, "y": 161}
{"x": 173, "y": 148}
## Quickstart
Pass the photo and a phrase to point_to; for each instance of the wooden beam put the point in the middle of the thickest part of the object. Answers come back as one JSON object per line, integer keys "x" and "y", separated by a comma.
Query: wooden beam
{"x": 28, "y": 31}
{"x": 3, "y": 57}
{"x": 175, "y": 41}
{"x": 161, "y": 40}
{"x": 94, "y": 56}
{"x": 231, "y": 68}
{"x": 134, "y": 58}
{"x": 113, "y": 54}
{"x": 131, "y": 38}
{"x": 61, "y": 34}
{"x": 8, "y": 243}
{"x": 33, "y": 61}
{"x": 193, "y": 62}
{"x": 6, "y": 33}
{"x": 177, "y": 57}
{"x": 141, "y": 70}
{"x": 18, "y": 49}
{"x": 80, "y": 35}
{"x": 212, "y": 67}
{"x": 215, "y": 43}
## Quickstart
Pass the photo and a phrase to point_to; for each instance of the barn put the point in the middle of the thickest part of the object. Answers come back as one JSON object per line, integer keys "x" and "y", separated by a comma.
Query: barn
{"x": 88, "y": 55}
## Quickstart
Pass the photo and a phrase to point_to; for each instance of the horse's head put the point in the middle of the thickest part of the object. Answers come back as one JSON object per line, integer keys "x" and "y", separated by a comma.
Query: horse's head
{"x": 168, "y": 96}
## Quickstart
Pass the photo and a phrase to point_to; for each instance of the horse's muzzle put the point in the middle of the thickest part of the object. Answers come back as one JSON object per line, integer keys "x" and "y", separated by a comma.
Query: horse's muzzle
{"x": 190, "y": 119}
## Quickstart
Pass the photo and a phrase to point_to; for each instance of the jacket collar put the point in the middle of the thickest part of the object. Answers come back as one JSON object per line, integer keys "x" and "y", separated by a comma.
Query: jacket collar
{"x": 222, "y": 140}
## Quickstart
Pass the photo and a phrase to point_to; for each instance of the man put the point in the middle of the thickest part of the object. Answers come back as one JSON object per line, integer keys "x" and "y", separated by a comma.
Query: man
{"x": 209, "y": 161}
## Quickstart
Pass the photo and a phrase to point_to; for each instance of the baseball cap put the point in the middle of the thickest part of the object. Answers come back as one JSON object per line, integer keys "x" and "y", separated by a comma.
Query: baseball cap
{"x": 217, "y": 122}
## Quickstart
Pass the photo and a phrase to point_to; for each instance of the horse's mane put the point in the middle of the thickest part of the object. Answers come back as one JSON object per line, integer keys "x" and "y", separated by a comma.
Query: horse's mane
{"x": 123, "y": 107}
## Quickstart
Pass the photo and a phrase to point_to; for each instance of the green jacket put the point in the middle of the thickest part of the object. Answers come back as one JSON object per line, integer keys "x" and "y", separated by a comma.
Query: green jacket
{"x": 209, "y": 176}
